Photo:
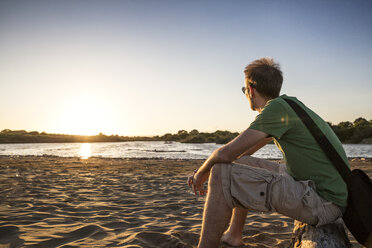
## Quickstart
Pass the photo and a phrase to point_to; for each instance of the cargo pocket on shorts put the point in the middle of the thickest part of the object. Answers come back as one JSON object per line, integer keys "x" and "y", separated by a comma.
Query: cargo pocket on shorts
{"x": 249, "y": 187}
{"x": 294, "y": 199}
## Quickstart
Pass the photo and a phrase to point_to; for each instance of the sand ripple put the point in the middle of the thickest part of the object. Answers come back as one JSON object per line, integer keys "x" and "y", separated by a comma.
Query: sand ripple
{"x": 55, "y": 202}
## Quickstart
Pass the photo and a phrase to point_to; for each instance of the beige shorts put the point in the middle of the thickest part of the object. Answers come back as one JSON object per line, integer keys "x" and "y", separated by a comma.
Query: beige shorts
{"x": 260, "y": 185}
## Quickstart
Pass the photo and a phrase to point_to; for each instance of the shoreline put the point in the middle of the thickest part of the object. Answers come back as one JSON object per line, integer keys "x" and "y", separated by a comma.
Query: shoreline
{"x": 140, "y": 140}
{"x": 351, "y": 159}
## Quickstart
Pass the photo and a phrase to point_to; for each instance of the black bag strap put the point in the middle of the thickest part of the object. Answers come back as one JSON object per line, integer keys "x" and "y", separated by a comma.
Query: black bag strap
{"x": 342, "y": 168}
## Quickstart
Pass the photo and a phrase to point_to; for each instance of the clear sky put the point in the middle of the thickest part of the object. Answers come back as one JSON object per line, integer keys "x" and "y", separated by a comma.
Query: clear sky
{"x": 151, "y": 67}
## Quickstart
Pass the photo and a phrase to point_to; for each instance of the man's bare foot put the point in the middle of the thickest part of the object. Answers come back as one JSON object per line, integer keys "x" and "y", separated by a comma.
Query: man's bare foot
{"x": 232, "y": 240}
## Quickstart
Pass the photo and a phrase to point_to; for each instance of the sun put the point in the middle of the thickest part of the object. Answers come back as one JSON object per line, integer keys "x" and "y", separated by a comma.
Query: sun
{"x": 85, "y": 116}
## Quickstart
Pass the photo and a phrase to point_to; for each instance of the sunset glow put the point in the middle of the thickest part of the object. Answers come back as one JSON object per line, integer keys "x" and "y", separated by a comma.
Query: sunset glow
{"x": 138, "y": 68}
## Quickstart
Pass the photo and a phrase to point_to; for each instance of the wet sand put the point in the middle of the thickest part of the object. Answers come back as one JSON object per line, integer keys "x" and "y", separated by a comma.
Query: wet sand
{"x": 72, "y": 202}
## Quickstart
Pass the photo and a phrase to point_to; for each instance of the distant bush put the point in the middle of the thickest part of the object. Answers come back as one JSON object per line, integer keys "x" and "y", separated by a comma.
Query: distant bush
{"x": 219, "y": 137}
{"x": 360, "y": 131}
{"x": 22, "y": 136}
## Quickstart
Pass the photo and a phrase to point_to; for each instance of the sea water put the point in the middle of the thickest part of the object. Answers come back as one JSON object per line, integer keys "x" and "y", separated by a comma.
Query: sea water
{"x": 147, "y": 149}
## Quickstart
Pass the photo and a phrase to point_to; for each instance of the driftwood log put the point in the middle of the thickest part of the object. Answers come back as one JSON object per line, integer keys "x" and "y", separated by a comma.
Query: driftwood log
{"x": 327, "y": 236}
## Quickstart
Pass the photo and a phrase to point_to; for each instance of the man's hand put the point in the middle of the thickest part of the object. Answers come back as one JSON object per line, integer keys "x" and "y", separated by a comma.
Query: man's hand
{"x": 246, "y": 141}
{"x": 196, "y": 182}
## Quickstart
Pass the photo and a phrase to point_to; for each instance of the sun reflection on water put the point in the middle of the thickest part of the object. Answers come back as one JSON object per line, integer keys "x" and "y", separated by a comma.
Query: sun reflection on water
{"x": 85, "y": 151}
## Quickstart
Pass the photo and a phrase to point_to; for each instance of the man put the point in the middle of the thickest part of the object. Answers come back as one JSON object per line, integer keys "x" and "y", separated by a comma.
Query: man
{"x": 307, "y": 188}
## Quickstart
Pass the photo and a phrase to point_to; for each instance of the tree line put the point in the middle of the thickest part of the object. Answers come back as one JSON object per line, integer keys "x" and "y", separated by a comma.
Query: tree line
{"x": 359, "y": 131}
{"x": 22, "y": 136}
{"x": 219, "y": 137}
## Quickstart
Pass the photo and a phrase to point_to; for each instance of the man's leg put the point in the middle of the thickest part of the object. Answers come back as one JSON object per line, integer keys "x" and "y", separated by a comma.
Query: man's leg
{"x": 262, "y": 163}
{"x": 234, "y": 235}
{"x": 217, "y": 213}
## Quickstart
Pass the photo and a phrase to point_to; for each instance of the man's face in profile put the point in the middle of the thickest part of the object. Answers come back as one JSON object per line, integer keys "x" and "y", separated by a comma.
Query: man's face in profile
{"x": 248, "y": 95}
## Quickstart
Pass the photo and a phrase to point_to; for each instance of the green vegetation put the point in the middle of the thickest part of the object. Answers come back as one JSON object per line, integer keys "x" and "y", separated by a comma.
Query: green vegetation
{"x": 359, "y": 131}
{"x": 22, "y": 136}
{"x": 219, "y": 137}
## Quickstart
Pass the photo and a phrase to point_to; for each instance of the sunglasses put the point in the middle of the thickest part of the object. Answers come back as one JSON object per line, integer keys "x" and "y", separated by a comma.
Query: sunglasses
{"x": 245, "y": 88}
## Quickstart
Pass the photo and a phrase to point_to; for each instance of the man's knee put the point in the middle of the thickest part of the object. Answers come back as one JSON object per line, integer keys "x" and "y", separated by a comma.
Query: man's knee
{"x": 215, "y": 174}
{"x": 216, "y": 169}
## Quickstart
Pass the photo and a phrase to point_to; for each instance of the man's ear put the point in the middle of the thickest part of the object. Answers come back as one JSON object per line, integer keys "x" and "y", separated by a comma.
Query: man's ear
{"x": 252, "y": 91}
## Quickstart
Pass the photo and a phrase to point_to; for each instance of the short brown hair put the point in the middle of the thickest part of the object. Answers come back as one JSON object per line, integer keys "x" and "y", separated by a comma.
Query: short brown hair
{"x": 265, "y": 76}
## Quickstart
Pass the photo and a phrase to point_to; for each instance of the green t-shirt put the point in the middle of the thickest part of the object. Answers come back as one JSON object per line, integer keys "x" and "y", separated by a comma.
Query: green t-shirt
{"x": 304, "y": 158}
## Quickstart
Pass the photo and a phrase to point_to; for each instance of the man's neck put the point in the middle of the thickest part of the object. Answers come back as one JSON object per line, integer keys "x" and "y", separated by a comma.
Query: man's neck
{"x": 261, "y": 103}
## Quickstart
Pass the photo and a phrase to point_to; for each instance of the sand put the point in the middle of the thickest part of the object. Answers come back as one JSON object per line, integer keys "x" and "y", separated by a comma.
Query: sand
{"x": 72, "y": 202}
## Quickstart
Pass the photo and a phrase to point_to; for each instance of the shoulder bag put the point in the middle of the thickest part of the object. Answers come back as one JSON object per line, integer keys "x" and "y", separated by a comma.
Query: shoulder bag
{"x": 358, "y": 213}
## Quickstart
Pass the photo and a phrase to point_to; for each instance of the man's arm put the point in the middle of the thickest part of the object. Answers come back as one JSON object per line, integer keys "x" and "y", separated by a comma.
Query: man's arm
{"x": 257, "y": 147}
{"x": 227, "y": 154}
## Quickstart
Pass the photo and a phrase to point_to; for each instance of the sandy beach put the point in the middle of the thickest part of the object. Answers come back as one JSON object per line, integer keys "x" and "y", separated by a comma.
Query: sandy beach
{"x": 96, "y": 202}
